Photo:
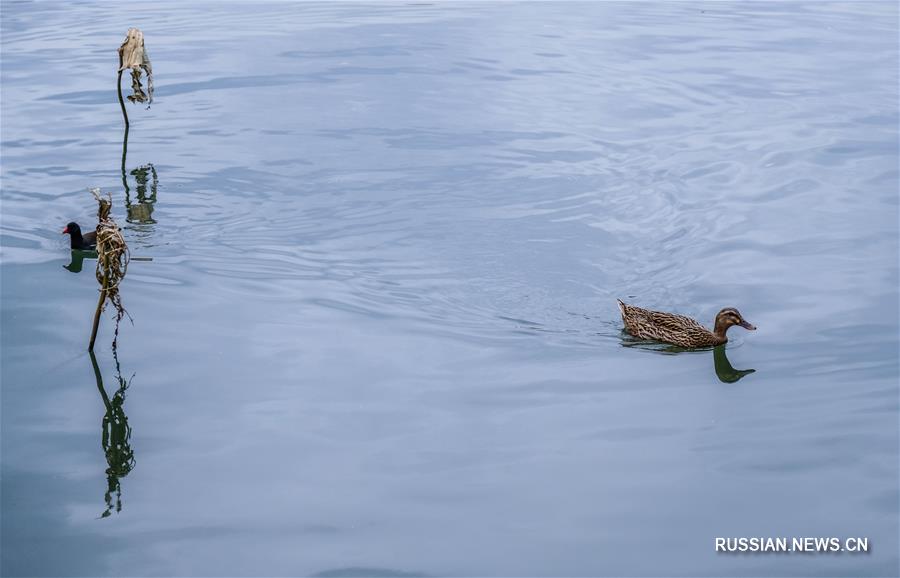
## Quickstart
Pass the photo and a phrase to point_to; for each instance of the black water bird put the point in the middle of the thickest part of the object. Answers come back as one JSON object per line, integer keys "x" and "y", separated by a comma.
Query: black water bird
{"x": 85, "y": 242}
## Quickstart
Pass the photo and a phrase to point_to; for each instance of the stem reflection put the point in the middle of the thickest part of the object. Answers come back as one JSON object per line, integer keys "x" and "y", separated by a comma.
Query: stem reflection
{"x": 115, "y": 437}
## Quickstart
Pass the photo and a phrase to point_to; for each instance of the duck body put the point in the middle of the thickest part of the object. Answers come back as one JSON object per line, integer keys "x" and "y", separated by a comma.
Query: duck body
{"x": 79, "y": 241}
{"x": 678, "y": 329}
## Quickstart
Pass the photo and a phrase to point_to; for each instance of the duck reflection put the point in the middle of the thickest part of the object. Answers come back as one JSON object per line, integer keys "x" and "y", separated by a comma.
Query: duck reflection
{"x": 724, "y": 371}
{"x": 140, "y": 210}
{"x": 115, "y": 437}
{"x": 723, "y": 368}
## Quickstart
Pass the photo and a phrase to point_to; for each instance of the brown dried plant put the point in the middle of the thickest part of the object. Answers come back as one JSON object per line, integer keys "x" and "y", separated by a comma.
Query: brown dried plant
{"x": 133, "y": 55}
{"x": 112, "y": 263}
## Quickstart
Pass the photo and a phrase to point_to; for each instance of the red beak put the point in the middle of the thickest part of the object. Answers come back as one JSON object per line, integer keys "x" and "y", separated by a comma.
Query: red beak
{"x": 64, "y": 231}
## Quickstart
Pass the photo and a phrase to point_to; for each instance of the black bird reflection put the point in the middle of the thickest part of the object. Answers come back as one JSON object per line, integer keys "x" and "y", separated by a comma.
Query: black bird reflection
{"x": 115, "y": 437}
{"x": 78, "y": 257}
{"x": 722, "y": 366}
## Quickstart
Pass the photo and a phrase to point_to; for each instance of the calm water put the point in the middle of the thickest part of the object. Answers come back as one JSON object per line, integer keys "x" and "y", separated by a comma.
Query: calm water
{"x": 378, "y": 333}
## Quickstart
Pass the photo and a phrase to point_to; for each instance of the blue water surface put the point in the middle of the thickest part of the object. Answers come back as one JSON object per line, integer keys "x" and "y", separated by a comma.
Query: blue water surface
{"x": 374, "y": 320}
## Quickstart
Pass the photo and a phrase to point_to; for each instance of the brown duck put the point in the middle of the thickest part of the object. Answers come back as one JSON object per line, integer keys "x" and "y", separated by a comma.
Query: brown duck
{"x": 678, "y": 329}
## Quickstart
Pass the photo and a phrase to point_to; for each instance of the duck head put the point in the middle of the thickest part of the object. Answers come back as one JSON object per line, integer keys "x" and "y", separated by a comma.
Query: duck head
{"x": 728, "y": 317}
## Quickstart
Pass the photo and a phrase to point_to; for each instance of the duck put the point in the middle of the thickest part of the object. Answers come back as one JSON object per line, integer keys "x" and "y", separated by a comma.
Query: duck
{"x": 85, "y": 242}
{"x": 678, "y": 329}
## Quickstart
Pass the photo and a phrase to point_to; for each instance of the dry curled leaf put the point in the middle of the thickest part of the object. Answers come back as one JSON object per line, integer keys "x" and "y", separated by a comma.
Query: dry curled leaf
{"x": 133, "y": 55}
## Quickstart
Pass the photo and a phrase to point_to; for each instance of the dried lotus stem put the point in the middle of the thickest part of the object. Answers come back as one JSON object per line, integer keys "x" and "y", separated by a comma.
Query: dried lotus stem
{"x": 133, "y": 55}
{"x": 112, "y": 263}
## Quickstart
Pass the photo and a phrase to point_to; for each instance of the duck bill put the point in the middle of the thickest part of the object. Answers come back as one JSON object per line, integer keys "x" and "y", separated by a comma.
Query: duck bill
{"x": 748, "y": 326}
{"x": 64, "y": 231}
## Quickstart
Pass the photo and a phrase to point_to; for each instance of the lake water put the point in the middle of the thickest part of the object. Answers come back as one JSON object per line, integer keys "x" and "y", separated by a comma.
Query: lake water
{"x": 374, "y": 327}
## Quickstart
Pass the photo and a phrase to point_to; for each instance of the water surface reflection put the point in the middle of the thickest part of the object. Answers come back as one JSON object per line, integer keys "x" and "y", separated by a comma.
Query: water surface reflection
{"x": 115, "y": 436}
{"x": 140, "y": 210}
{"x": 725, "y": 372}
{"x": 361, "y": 198}
{"x": 78, "y": 256}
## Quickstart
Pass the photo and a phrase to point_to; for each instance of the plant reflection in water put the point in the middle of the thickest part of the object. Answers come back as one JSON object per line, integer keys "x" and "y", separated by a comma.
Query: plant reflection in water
{"x": 115, "y": 437}
{"x": 141, "y": 210}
